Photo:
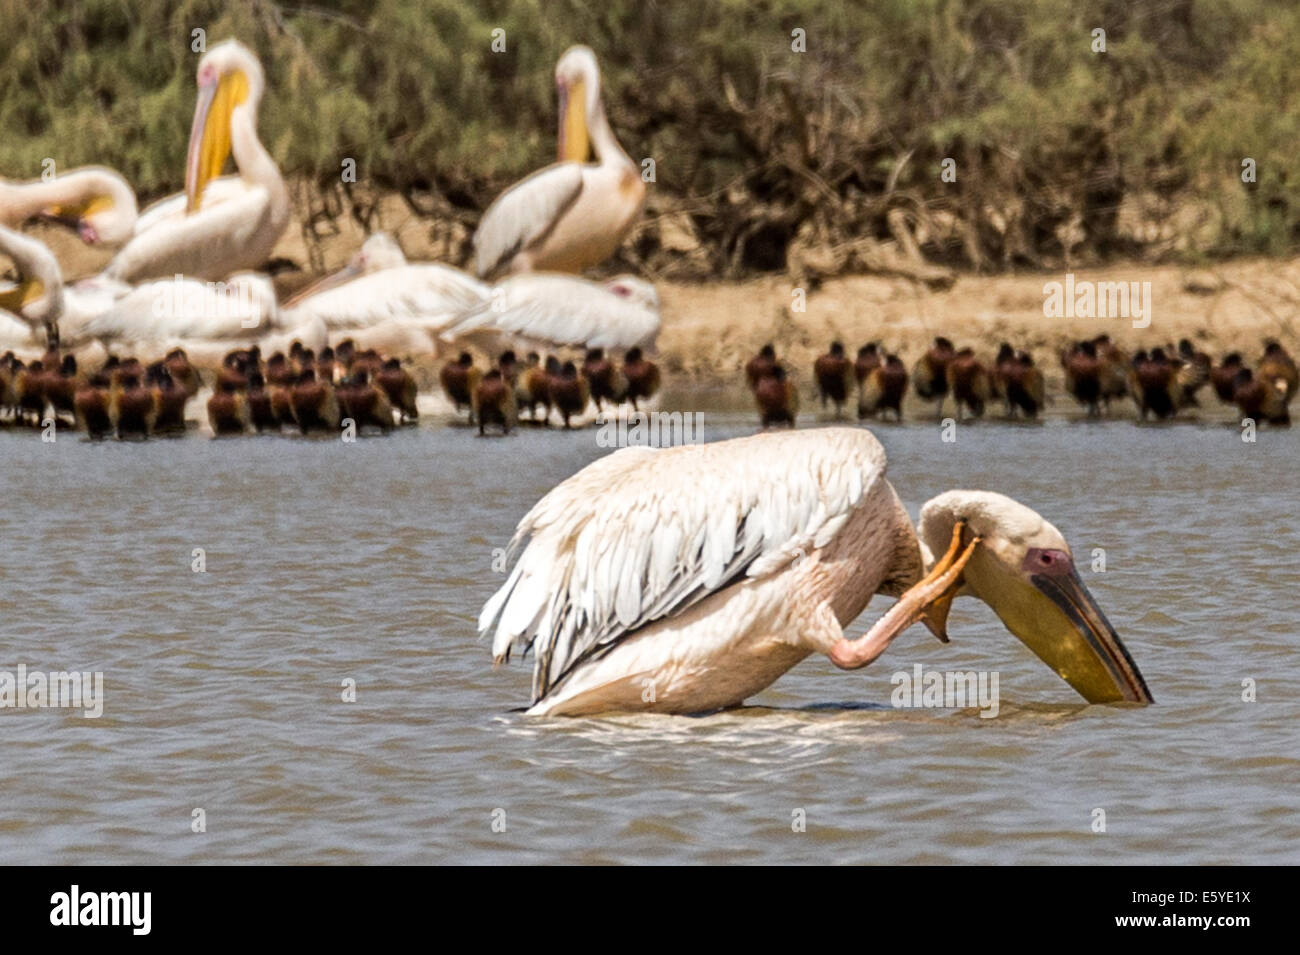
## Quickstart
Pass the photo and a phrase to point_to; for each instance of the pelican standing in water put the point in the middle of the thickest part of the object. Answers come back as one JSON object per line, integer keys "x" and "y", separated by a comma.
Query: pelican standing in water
{"x": 575, "y": 213}
{"x": 687, "y": 579}
{"x": 212, "y": 240}
{"x": 95, "y": 201}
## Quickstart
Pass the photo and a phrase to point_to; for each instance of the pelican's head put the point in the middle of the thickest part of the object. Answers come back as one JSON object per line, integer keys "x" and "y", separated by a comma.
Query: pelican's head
{"x": 577, "y": 81}
{"x": 95, "y": 201}
{"x": 635, "y": 290}
{"x": 379, "y": 251}
{"x": 1020, "y": 565}
{"x": 229, "y": 77}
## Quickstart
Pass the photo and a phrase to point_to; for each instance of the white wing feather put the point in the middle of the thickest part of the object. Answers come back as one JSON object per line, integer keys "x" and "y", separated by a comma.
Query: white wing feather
{"x": 561, "y": 310}
{"x": 523, "y": 215}
{"x": 643, "y": 534}
{"x": 426, "y": 295}
{"x": 173, "y": 207}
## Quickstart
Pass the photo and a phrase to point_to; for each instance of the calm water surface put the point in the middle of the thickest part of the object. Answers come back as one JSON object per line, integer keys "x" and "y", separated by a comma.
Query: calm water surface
{"x": 369, "y": 561}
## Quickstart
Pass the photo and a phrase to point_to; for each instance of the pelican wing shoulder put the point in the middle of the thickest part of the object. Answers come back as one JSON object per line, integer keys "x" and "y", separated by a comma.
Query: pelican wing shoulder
{"x": 691, "y": 522}
{"x": 523, "y": 215}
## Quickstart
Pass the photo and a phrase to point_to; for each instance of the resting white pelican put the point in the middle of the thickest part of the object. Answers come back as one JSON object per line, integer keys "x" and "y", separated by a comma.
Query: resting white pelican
{"x": 39, "y": 298}
{"x": 686, "y": 579}
{"x": 540, "y": 310}
{"x": 574, "y": 213}
{"x": 95, "y": 201}
{"x": 180, "y": 309}
{"x": 213, "y": 240}
{"x": 379, "y": 286}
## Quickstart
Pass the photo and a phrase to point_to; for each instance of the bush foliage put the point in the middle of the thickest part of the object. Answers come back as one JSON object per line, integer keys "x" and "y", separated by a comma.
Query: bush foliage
{"x": 763, "y": 154}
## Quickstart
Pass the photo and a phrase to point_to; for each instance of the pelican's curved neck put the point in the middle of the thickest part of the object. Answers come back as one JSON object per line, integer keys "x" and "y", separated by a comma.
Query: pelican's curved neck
{"x": 603, "y": 141}
{"x": 255, "y": 164}
{"x": 35, "y": 262}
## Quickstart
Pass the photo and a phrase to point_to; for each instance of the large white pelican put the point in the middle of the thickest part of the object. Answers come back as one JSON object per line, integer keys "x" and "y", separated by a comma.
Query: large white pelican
{"x": 39, "y": 298}
{"x": 95, "y": 201}
{"x": 574, "y": 213}
{"x": 540, "y": 310}
{"x": 378, "y": 286}
{"x": 687, "y": 579}
{"x": 173, "y": 310}
{"x": 212, "y": 240}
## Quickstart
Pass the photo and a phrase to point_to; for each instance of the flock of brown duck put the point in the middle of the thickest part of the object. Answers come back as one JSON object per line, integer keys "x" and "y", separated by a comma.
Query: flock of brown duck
{"x": 501, "y": 395}
{"x": 1161, "y": 382}
{"x": 300, "y": 391}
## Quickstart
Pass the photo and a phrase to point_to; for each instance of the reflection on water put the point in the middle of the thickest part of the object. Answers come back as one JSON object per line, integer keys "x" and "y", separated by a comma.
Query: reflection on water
{"x": 329, "y": 562}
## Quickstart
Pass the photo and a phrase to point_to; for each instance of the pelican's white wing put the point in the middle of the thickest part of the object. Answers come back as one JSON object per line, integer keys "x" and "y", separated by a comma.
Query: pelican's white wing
{"x": 173, "y": 207}
{"x": 642, "y": 534}
{"x": 562, "y": 310}
{"x": 167, "y": 310}
{"x": 425, "y": 295}
{"x": 523, "y": 215}
{"x": 209, "y": 244}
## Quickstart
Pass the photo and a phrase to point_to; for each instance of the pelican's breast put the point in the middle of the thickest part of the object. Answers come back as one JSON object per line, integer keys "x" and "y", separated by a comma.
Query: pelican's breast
{"x": 592, "y": 229}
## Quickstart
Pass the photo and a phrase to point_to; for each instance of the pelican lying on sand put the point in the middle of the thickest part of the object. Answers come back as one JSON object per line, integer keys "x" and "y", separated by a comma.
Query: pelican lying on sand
{"x": 210, "y": 241}
{"x": 687, "y": 579}
{"x": 546, "y": 310}
{"x": 95, "y": 201}
{"x": 378, "y": 286}
{"x": 574, "y": 213}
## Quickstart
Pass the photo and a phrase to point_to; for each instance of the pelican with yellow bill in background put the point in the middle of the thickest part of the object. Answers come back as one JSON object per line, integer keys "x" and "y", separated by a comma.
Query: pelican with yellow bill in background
{"x": 235, "y": 230}
{"x": 95, "y": 201}
{"x": 687, "y": 579}
{"x": 574, "y": 213}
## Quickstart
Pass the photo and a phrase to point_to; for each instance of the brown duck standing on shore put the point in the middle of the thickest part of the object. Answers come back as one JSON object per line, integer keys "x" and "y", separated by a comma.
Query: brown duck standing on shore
{"x": 169, "y": 399}
{"x": 883, "y": 389}
{"x": 531, "y": 389}
{"x": 228, "y": 410}
{"x": 930, "y": 373}
{"x": 1278, "y": 365}
{"x": 400, "y": 388}
{"x": 834, "y": 374}
{"x": 642, "y": 376}
{"x": 29, "y": 392}
{"x": 91, "y": 401}
{"x": 777, "y": 398}
{"x": 1223, "y": 377}
{"x": 1083, "y": 376}
{"x": 459, "y": 379}
{"x": 1113, "y": 370}
{"x": 279, "y": 383}
{"x": 494, "y": 402}
{"x": 1154, "y": 385}
{"x": 969, "y": 382}
{"x": 261, "y": 404}
{"x": 1193, "y": 374}
{"x": 315, "y": 406}
{"x": 1261, "y": 399}
{"x": 760, "y": 365}
{"x": 603, "y": 380}
{"x": 1023, "y": 386}
{"x": 182, "y": 372}
{"x": 568, "y": 391}
{"x": 59, "y": 385}
{"x": 132, "y": 408}
{"x": 869, "y": 359}
{"x": 364, "y": 402}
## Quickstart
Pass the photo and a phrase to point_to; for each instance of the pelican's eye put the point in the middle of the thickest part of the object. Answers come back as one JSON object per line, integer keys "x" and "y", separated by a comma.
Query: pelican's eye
{"x": 1042, "y": 560}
